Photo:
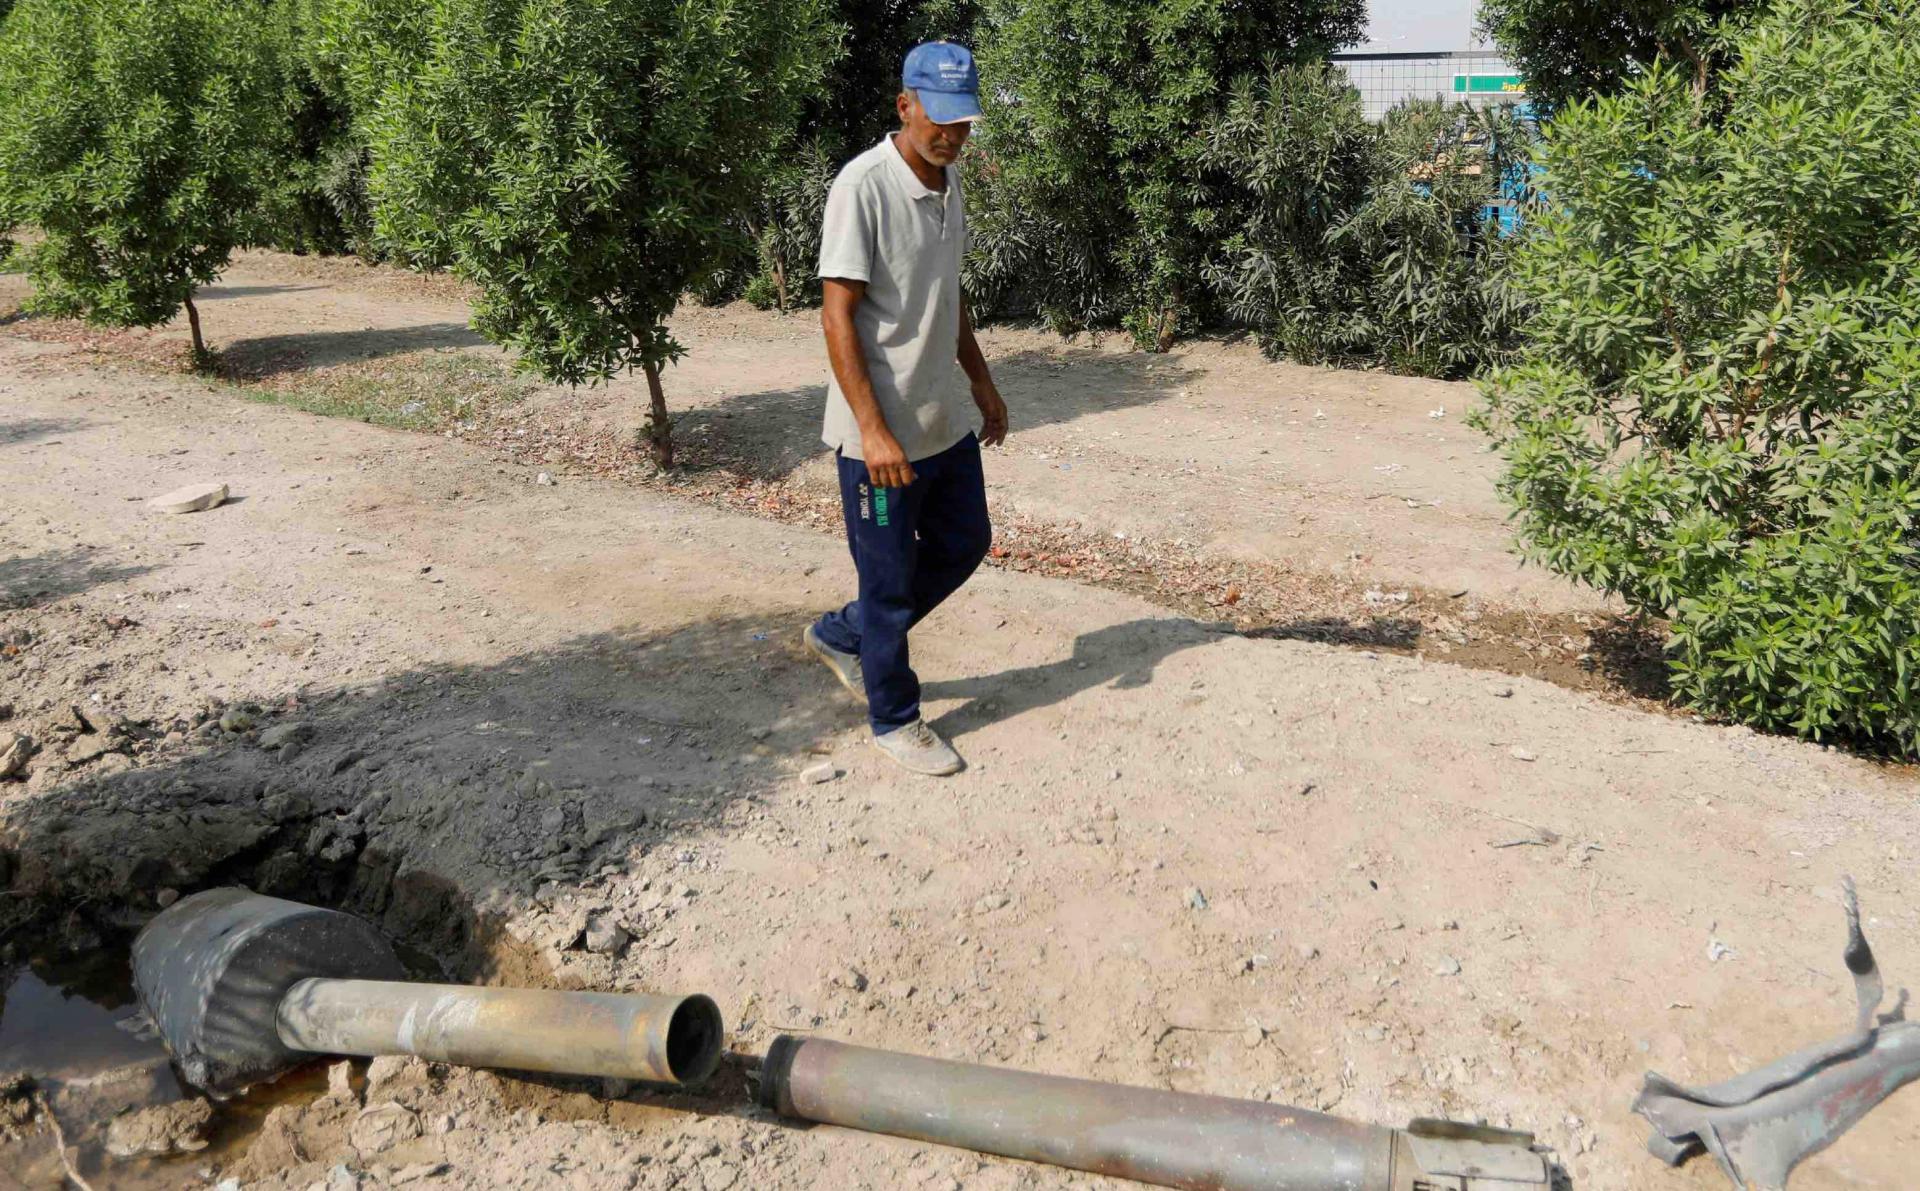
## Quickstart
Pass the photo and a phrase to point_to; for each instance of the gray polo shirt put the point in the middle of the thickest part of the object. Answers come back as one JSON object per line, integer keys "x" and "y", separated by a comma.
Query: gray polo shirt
{"x": 905, "y": 241}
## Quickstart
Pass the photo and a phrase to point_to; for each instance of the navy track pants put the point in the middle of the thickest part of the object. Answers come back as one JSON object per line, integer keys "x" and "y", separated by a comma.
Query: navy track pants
{"x": 913, "y": 547}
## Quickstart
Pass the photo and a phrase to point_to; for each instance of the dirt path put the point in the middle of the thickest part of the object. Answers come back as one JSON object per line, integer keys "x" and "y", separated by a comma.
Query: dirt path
{"x": 591, "y": 705}
{"x": 1362, "y": 475}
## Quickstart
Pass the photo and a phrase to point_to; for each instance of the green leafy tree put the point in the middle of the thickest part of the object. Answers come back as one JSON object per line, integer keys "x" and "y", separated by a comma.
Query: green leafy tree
{"x": 1360, "y": 242}
{"x": 581, "y": 161}
{"x": 1569, "y": 51}
{"x": 137, "y": 136}
{"x": 317, "y": 201}
{"x": 1716, "y": 413}
{"x": 1097, "y": 119}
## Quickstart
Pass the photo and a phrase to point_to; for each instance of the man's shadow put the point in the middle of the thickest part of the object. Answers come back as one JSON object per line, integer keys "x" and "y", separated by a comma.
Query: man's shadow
{"x": 1122, "y": 657}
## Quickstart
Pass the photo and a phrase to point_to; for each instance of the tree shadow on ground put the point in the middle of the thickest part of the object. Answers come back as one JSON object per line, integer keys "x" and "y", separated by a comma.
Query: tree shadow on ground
{"x": 273, "y": 355}
{"x": 218, "y": 293}
{"x": 33, "y": 579}
{"x": 771, "y": 433}
{"x": 25, "y": 430}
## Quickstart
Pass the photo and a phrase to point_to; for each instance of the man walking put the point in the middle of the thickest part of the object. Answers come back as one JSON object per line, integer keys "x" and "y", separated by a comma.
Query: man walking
{"x": 911, "y": 487}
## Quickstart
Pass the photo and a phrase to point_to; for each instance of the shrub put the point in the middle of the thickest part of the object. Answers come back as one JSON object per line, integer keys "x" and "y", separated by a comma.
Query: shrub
{"x": 1362, "y": 243}
{"x": 317, "y": 202}
{"x": 1716, "y": 413}
{"x": 138, "y": 137}
{"x": 581, "y": 161}
{"x": 795, "y": 205}
{"x": 1097, "y": 114}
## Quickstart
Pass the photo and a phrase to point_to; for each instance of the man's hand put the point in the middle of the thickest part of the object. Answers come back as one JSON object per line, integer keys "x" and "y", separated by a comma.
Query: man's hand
{"x": 993, "y": 414}
{"x": 887, "y": 464}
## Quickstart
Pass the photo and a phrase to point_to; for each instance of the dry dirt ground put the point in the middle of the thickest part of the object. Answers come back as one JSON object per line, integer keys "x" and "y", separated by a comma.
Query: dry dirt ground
{"x": 1358, "y": 879}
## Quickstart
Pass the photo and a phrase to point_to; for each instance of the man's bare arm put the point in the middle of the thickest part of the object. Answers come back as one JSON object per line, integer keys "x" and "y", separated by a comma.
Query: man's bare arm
{"x": 887, "y": 464}
{"x": 986, "y": 395}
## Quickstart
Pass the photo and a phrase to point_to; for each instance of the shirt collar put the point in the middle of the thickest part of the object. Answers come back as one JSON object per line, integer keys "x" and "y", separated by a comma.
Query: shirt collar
{"x": 901, "y": 170}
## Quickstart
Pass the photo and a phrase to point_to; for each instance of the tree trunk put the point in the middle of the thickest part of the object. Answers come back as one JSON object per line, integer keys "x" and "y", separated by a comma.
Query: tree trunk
{"x": 1169, "y": 320}
{"x": 659, "y": 428}
{"x": 780, "y": 278}
{"x": 200, "y": 357}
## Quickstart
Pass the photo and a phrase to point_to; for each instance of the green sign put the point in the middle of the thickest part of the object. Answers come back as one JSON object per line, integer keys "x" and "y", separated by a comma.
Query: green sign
{"x": 1481, "y": 84}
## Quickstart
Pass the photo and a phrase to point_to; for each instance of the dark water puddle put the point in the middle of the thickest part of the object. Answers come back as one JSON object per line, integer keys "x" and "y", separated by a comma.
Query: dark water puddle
{"x": 58, "y": 1019}
{"x": 74, "y": 1025}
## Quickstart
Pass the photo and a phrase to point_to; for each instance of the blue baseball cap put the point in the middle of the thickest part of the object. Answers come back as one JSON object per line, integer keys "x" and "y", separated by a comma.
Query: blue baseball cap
{"x": 942, "y": 75}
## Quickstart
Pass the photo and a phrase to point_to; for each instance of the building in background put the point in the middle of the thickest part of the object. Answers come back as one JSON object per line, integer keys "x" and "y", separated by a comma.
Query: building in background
{"x": 1479, "y": 77}
{"x": 1427, "y": 49}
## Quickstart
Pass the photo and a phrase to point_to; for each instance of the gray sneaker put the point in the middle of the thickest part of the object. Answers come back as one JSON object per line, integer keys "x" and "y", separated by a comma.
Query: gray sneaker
{"x": 919, "y": 748}
{"x": 845, "y": 666}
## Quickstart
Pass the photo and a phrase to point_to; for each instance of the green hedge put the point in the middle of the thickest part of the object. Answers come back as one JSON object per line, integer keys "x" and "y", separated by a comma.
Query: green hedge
{"x": 1715, "y": 412}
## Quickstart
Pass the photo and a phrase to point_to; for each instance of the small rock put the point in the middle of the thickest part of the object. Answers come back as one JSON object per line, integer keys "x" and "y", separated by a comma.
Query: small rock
{"x": 1306, "y": 951}
{"x": 88, "y": 748}
{"x": 553, "y": 820}
{"x": 92, "y": 719}
{"x": 814, "y": 775}
{"x": 1449, "y": 924}
{"x": 716, "y": 1175}
{"x": 281, "y": 735}
{"x": 604, "y": 936}
{"x": 166, "y": 897}
{"x": 1717, "y": 951}
{"x": 991, "y": 902}
{"x": 14, "y": 751}
{"x": 193, "y": 498}
{"x": 1196, "y": 900}
{"x": 1253, "y": 1035}
{"x": 341, "y": 1178}
{"x": 1240, "y": 966}
{"x": 544, "y": 479}
{"x": 162, "y": 1129}
{"x": 1033, "y": 1033}
{"x": 1375, "y": 1034}
{"x": 1448, "y": 966}
{"x": 852, "y": 979}
{"x": 1500, "y": 690}
{"x": 1420, "y": 700}
{"x": 340, "y": 1082}
{"x": 900, "y": 990}
{"x": 415, "y": 1172}
{"x": 236, "y": 720}
{"x": 1521, "y": 754}
{"x": 382, "y": 1127}
{"x": 384, "y": 1069}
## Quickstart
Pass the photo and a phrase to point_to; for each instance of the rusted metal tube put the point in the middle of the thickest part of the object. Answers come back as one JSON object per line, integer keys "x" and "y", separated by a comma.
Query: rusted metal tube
{"x": 1174, "y": 1139}
{"x": 663, "y": 1039}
